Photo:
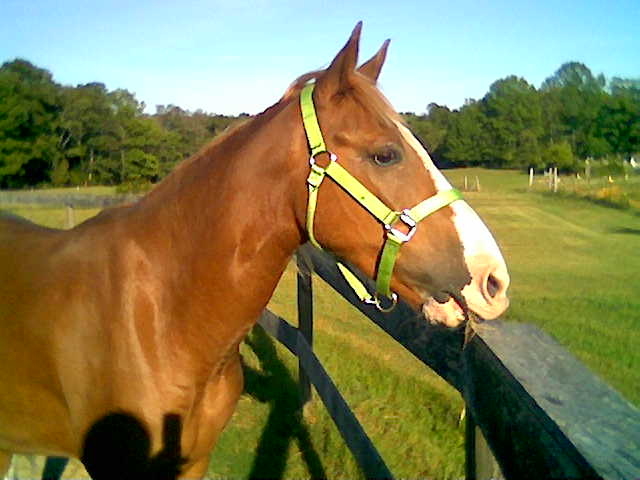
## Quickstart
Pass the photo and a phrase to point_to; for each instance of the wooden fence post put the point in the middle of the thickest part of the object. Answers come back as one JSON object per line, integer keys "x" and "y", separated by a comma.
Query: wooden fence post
{"x": 305, "y": 322}
{"x": 54, "y": 468}
{"x": 480, "y": 462}
{"x": 71, "y": 217}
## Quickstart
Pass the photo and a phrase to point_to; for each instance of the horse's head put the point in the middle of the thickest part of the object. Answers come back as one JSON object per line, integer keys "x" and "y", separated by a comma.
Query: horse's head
{"x": 449, "y": 255}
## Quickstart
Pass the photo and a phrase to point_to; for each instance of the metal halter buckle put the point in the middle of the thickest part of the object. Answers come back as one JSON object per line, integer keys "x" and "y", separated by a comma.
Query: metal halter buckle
{"x": 376, "y": 301}
{"x": 405, "y": 217}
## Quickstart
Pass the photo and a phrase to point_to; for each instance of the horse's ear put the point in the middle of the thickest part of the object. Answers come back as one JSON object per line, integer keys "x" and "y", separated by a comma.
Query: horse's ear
{"x": 336, "y": 77}
{"x": 371, "y": 68}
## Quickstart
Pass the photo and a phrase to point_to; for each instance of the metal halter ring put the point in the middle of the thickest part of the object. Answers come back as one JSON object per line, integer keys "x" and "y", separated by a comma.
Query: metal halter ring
{"x": 332, "y": 158}
{"x": 376, "y": 301}
{"x": 405, "y": 217}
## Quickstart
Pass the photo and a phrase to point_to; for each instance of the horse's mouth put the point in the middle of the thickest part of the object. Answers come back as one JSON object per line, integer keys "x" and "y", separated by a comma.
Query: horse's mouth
{"x": 449, "y": 309}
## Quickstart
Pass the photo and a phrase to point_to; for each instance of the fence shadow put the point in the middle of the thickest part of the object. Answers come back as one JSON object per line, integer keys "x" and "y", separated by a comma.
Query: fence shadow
{"x": 275, "y": 385}
{"x": 626, "y": 230}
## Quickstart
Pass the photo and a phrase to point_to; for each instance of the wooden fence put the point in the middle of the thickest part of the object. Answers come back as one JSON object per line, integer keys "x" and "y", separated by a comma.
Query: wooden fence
{"x": 542, "y": 413}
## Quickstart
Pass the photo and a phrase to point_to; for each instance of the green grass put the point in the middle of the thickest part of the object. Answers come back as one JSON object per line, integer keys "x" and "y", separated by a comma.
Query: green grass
{"x": 574, "y": 268}
{"x": 53, "y": 217}
{"x": 92, "y": 190}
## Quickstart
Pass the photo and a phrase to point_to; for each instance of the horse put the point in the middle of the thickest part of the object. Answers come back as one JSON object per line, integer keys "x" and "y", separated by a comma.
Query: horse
{"x": 119, "y": 338}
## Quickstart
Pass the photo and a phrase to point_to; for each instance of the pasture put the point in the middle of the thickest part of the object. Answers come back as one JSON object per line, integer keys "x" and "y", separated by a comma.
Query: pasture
{"x": 574, "y": 267}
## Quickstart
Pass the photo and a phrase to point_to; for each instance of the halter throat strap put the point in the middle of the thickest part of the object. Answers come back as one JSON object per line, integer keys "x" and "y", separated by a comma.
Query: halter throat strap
{"x": 388, "y": 217}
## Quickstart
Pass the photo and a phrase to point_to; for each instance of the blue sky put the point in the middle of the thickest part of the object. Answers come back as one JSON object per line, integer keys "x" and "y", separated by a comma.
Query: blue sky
{"x": 231, "y": 56}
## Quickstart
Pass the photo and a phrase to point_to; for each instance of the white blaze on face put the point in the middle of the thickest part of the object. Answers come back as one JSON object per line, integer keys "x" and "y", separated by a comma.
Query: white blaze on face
{"x": 486, "y": 294}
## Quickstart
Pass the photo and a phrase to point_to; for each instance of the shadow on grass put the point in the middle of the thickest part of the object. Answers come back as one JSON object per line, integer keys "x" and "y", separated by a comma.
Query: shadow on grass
{"x": 626, "y": 230}
{"x": 275, "y": 385}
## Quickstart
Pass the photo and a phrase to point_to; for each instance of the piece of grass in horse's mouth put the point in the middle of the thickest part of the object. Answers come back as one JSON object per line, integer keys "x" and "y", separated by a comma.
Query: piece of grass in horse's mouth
{"x": 461, "y": 304}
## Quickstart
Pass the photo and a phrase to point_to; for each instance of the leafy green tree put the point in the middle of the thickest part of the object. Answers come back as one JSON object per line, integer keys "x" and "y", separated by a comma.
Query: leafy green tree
{"x": 467, "y": 142}
{"x": 217, "y": 124}
{"x": 432, "y": 128}
{"x": 627, "y": 87}
{"x": 576, "y": 75}
{"x": 127, "y": 111}
{"x": 28, "y": 113}
{"x": 619, "y": 117}
{"x": 559, "y": 155}
{"x": 512, "y": 107}
{"x": 89, "y": 132}
{"x": 149, "y": 151}
{"x": 193, "y": 130}
{"x": 578, "y": 96}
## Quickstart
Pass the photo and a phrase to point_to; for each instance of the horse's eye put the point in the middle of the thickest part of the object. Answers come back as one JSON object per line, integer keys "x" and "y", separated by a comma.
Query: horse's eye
{"x": 386, "y": 157}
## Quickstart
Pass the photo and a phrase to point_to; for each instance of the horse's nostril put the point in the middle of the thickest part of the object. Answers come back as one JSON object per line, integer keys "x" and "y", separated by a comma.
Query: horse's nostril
{"x": 493, "y": 285}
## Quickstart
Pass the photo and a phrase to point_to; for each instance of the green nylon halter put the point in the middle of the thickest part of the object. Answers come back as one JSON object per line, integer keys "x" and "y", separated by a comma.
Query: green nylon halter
{"x": 385, "y": 215}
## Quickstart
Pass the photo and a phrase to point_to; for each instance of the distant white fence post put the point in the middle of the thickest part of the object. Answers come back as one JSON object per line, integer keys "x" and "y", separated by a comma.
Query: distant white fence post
{"x": 530, "y": 177}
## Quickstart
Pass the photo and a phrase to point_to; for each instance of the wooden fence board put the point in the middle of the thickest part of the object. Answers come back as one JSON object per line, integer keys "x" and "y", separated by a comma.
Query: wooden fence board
{"x": 305, "y": 323}
{"x": 54, "y": 468}
{"x": 553, "y": 413}
{"x": 363, "y": 450}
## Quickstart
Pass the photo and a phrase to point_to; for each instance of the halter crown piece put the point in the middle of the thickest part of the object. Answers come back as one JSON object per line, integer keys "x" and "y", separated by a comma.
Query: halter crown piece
{"x": 385, "y": 215}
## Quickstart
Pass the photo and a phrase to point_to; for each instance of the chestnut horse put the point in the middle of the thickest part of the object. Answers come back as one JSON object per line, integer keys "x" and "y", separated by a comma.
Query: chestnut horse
{"x": 119, "y": 338}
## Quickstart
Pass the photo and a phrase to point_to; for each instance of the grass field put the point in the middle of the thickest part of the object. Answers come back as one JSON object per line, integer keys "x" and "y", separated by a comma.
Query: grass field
{"x": 90, "y": 190}
{"x": 54, "y": 217}
{"x": 574, "y": 268}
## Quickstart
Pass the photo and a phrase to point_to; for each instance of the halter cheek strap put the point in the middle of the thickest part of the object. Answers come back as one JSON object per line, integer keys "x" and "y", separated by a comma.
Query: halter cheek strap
{"x": 388, "y": 217}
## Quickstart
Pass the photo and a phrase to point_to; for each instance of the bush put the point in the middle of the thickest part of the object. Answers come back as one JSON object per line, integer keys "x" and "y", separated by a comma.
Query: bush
{"x": 561, "y": 156}
{"x": 137, "y": 186}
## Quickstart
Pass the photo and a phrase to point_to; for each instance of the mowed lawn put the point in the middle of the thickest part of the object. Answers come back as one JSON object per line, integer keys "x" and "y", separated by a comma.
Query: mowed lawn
{"x": 574, "y": 268}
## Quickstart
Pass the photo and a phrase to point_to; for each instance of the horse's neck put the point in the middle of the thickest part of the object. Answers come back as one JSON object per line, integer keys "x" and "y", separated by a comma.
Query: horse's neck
{"x": 224, "y": 225}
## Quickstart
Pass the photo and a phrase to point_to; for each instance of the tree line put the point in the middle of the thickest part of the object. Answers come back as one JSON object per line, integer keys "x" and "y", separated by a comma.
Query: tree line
{"x": 573, "y": 116}
{"x": 58, "y": 135}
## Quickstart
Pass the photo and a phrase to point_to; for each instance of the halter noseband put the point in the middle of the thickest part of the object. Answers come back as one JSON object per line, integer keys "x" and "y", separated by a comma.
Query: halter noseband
{"x": 385, "y": 215}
